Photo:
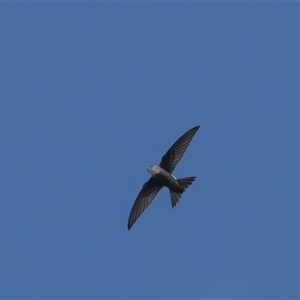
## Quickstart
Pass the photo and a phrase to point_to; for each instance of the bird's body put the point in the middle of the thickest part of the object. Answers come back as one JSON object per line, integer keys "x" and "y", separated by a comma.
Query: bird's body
{"x": 166, "y": 179}
{"x": 162, "y": 175}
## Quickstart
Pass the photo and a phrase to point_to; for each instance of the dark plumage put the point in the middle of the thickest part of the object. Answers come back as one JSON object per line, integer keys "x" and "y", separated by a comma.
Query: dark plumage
{"x": 162, "y": 176}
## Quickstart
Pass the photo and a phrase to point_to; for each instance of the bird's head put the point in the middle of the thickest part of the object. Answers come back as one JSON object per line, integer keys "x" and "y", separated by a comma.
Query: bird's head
{"x": 153, "y": 170}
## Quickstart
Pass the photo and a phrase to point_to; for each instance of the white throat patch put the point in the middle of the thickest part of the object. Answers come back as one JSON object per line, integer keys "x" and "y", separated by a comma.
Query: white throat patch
{"x": 153, "y": 170}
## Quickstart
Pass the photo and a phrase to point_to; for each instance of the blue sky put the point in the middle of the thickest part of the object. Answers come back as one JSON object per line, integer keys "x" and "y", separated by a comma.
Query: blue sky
{"x": 93, "y": 93}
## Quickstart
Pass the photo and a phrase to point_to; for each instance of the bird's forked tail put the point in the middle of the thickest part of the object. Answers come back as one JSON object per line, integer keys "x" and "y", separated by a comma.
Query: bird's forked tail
{"x": 184, "y": 184}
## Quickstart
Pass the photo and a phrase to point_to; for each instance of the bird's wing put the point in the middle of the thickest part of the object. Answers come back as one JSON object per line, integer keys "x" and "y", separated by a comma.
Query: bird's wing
{"x": 143, "y": 200}
{"x": 175, "y": 153}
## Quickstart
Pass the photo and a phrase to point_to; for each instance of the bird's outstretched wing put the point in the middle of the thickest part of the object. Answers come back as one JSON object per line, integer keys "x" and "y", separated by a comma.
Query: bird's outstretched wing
{"x": 143, "y": 200}
{"x": 175, "y": 153}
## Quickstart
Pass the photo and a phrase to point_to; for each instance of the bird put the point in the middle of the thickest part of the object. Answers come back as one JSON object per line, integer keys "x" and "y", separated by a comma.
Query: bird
{"x": 162, "y": 176}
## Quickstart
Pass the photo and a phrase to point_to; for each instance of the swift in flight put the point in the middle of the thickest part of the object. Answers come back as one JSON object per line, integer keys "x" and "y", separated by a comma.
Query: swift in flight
{"x": 162, "y": 175}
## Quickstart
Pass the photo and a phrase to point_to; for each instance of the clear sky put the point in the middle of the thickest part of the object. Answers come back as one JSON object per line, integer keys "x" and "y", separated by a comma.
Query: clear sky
{"x": 93, "y": 93}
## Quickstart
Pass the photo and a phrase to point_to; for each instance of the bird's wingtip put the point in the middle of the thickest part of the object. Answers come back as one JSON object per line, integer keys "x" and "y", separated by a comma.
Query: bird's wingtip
{"x": 129, "y": 226}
